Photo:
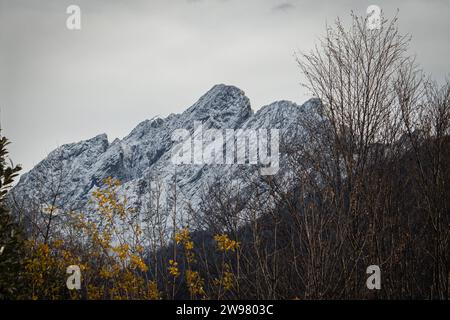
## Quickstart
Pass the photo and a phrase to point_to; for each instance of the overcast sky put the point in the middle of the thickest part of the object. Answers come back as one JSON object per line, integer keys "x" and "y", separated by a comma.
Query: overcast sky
{"x": 135, "y": 59}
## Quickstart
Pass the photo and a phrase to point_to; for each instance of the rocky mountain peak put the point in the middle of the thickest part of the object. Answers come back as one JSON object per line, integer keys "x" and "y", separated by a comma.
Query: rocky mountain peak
{"x": 79, "y": 168}
{"x": 222, "y": 103}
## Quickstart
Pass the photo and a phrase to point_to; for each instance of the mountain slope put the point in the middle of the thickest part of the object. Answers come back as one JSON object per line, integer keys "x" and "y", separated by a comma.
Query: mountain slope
{"x": 69, "y": 175}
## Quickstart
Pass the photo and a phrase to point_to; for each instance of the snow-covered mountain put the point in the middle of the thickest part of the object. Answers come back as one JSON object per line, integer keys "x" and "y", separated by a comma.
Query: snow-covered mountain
{"x": 70, "y": 173}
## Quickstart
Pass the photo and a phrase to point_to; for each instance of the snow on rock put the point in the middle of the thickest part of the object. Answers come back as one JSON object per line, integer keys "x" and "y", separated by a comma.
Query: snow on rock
{"x": 73, "y": 171}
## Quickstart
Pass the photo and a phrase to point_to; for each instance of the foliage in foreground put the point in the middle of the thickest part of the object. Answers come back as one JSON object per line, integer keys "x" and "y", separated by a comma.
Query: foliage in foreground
{"x": 11, "y": 238}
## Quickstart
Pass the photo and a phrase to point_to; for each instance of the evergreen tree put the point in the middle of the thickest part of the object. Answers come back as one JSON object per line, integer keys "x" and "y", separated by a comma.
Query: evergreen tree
{"x": 11, "y": 240}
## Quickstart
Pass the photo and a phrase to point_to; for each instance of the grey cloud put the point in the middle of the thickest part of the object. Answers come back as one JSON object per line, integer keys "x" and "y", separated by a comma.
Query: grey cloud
{"x": 286, "y": 6}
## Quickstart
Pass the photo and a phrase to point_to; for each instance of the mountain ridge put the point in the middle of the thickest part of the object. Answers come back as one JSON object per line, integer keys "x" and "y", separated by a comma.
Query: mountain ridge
{"x": 71, "y": 172}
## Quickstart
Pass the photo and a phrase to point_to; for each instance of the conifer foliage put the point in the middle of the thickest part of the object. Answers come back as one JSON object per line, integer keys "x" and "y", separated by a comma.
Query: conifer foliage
{"x": 11, "y": 241}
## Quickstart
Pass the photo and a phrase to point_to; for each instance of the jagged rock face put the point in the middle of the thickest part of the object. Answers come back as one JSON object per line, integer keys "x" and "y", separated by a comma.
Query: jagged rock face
{"x": 73, "y": 171}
